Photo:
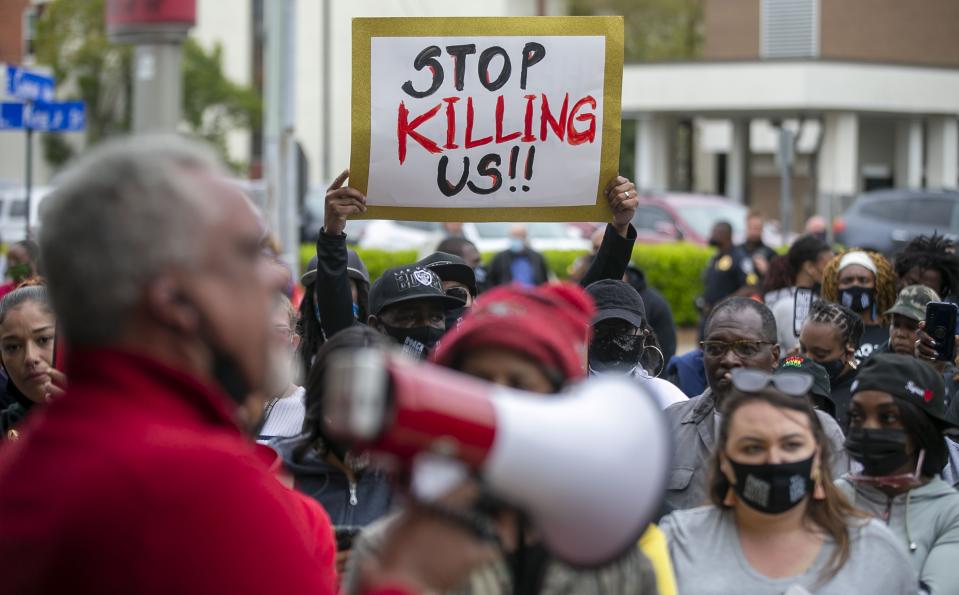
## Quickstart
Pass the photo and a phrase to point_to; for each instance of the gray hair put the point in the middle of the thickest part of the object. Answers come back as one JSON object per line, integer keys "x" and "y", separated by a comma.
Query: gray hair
{"x": 120, "y": 216}
{"x": 36, "y": 294}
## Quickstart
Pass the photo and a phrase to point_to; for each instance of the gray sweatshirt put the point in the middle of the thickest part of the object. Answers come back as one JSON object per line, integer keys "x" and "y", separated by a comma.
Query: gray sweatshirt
{"x": 926, "y": 521}
{"x": 708, "y": 560}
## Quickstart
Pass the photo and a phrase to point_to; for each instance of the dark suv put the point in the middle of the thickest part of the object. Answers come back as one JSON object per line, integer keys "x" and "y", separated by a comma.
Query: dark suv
{"x": 886, "y": 220}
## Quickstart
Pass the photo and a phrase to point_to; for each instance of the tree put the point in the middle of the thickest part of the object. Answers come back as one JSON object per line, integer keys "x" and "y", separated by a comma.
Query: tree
{"x": 654, "y": 30}
{"x": 72, "y": 39}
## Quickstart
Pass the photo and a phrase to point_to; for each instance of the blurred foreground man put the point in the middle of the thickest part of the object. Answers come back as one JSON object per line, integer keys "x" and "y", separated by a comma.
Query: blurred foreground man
{"x": 140, "y": 479}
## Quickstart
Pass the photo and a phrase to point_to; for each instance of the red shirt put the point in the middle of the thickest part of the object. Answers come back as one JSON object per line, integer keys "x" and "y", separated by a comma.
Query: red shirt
{"x": 139, "y": 481}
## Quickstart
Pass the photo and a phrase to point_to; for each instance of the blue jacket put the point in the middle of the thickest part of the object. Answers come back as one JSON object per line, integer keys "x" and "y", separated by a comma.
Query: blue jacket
{"x": 688, "y": 372}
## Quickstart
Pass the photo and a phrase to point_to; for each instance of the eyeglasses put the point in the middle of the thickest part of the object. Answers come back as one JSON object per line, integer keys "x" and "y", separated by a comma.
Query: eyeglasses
{"x": 743, "y": 348}
{"x": 793, "y": 384}
{"x": 458, "y": 293}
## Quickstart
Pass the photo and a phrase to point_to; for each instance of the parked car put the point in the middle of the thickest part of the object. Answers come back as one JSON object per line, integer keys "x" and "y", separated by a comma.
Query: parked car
{"x": 690, "y": 217}
{"x": 13, "y": 211}
{"x": 384, "y": 234}
{"x": 886, "y": 220}
{"x": 493, "y": 237}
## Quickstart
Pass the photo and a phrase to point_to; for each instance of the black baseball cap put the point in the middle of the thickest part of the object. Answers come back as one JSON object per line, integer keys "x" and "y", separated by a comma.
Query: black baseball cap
{"x": 450, "y": 267}
{"x": 821, "y": 386}
{"x": 617, "y": 299}
{"x": 909, "y": 379}
{"x": 406, "y": 284}
{"x": 355, "y": 269}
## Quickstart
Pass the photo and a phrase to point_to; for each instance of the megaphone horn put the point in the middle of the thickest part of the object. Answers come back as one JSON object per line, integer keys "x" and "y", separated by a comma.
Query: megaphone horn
{"x": 588, "y": 466}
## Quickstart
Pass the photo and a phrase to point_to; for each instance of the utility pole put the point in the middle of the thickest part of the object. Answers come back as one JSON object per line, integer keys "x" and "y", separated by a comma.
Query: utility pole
{"x": 279, "y": 127}
{"x": 158, "y": 29}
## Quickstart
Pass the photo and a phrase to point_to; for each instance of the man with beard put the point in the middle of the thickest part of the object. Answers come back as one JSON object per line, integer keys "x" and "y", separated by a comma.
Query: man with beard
{"x": 740, "y": 333}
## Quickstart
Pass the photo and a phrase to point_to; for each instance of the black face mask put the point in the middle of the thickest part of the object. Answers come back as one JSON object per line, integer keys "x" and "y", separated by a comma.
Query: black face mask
{"x": 454, "y": 316}
{"x": 881, "y": 452}
{"x": 834, "y": 368}
{"x": 773, "y": 489}
{"x": 615, "y": 353}
{"x": 858, "y": 299}
{"x": 417, "y": 341}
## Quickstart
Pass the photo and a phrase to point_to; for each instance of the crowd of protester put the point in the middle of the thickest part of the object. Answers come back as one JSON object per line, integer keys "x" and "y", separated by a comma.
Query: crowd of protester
{"x": 165, "y": 427}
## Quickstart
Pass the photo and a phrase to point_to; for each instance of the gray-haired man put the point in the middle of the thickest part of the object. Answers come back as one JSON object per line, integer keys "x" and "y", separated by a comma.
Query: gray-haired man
{"x": 140, "y": 478}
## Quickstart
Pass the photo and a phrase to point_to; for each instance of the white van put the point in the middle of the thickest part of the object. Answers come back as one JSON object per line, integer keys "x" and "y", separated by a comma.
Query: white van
{"x": 13, "y": 211}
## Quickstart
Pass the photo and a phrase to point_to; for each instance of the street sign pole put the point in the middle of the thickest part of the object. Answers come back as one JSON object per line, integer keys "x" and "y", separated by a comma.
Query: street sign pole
{"x": 29, "y": 175}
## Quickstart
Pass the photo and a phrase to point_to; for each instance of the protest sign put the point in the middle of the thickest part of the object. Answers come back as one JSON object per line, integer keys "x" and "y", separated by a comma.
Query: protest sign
{"x": 486, "y": 119}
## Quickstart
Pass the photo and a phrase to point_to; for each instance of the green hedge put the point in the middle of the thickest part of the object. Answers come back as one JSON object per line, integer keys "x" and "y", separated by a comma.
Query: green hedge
{"x": 674, "y": 269}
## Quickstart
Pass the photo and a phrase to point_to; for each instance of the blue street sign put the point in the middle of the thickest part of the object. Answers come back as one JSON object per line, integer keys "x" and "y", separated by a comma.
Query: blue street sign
{"x": 65, "y": 116}
{"x": 61, "y": 116}
{"x": 29, "y": 85}
{"x": 11, "y": 116}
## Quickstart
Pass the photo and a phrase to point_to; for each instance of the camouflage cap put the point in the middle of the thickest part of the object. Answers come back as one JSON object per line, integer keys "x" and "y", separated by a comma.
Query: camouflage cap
{"x": 912, "y": 301}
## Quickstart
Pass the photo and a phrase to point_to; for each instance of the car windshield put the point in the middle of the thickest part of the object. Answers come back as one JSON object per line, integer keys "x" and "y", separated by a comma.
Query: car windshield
{"x": 542, "y": 229}
{"x": 702, "y": 217}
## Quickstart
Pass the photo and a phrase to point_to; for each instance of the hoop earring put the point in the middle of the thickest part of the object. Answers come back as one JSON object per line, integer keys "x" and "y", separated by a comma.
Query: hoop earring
{"x": 662, "y": 358}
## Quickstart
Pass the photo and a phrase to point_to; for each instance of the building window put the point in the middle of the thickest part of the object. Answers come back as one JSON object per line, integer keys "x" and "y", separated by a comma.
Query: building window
{"x": 789, "y": 28}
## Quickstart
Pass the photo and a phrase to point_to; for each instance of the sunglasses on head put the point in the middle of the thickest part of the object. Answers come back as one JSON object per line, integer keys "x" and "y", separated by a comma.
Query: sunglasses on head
{"x": 793, "y": 384}
{"x": 458, "y": 293}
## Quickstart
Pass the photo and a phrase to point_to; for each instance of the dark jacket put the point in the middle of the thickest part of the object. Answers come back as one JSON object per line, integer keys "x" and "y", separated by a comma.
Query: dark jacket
{"x": 13, "y": 414}
{"x": 841, "y": 393}
{"x": 333, "y": 294}
{"x": 139, "y": 480}
{"x": 349, "y": 505}
{"x": 658, "y": 312}
{"x": 501, "y": 268}
{"x": 612, "y": 258}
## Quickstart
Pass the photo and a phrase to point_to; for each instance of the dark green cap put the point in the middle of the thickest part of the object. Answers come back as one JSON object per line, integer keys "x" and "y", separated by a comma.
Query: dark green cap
{"x": 912, "y": 301}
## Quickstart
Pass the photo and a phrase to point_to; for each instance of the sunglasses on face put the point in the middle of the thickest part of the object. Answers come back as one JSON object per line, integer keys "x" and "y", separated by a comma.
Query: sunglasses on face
{"x": 744, "y": 348}
{"x": 458, "y": 293}
{"x": 793, "y": 384}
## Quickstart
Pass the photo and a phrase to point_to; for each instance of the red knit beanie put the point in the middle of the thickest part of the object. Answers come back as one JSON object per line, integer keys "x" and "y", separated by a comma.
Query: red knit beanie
{"x": 550, "y": 324}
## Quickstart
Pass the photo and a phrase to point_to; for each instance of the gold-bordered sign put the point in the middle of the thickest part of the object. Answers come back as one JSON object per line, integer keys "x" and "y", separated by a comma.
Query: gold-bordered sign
{"x": 365, "y": 29}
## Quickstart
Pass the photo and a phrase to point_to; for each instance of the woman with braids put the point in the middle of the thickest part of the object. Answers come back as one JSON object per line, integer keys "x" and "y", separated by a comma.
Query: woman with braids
{"x": 777, "y": 523}
{"x": 829, "y": 337}
{"x": 798, "y": 272}
{"x": 865, "y": 283}
{"x": 930, "y": 261}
